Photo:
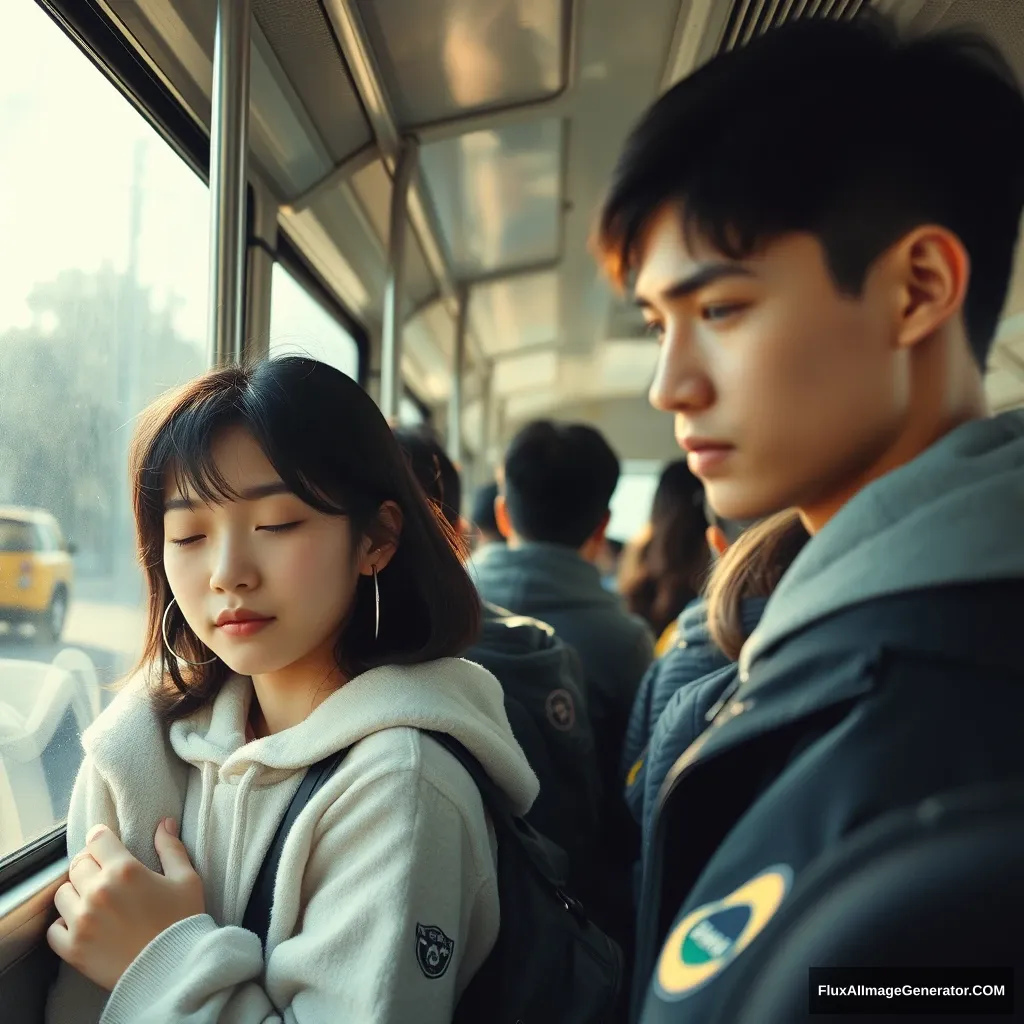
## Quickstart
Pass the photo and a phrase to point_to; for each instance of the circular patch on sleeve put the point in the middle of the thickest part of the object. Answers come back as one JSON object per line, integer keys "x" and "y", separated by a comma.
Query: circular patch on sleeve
{"x": 709, "y": 938}
{"x": 561, "y": 710}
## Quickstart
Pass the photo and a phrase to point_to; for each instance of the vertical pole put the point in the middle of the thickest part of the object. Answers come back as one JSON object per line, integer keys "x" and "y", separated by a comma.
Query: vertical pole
{"x": 259, "y": 274}
{"x": 394, "y": 296}
{"x": 229, "y": 147}
{"x": 455, "y": 399}
{"x": 486, "y": 467}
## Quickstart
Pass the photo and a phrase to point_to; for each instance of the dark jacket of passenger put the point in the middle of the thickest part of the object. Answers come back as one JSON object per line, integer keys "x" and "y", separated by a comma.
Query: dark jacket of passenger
{"x": 554, "y": 584}
{"x": 886, "y": 669}
{"x": 543, "y": 682}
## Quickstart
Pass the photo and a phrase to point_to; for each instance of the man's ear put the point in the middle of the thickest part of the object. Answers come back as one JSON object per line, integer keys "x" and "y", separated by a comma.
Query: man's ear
{"x": 501, "y": 517}
{"x": 717, "y": 540}
{"x": 931, "y": 271}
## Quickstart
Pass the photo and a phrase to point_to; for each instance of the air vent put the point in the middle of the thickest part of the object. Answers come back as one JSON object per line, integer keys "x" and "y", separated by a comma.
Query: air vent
{"x": 749, "y": 18}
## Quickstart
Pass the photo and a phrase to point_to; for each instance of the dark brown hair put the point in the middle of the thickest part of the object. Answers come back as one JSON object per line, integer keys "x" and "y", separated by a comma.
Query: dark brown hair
{"x": 751, "y": 567}
{"x": 331, "y": 446}
{"x": 666, "y": 569}
{"x": 877, "y": 164}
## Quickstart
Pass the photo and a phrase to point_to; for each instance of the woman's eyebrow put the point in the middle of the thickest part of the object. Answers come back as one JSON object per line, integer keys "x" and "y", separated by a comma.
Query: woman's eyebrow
{"x": 249, "y": 494}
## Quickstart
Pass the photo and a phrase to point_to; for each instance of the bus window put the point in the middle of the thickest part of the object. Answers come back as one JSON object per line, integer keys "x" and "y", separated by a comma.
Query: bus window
{"x": 300, "y": 325}
{"x": 103, "y": 305}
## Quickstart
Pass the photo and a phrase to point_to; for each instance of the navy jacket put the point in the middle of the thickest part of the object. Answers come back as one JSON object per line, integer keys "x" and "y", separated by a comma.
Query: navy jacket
{"x": 886, "y": 669}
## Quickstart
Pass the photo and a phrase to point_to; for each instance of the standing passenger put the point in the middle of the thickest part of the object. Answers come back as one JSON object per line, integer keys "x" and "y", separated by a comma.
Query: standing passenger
{"x": 303, "y": 600}
{"x": 821, "y": 227}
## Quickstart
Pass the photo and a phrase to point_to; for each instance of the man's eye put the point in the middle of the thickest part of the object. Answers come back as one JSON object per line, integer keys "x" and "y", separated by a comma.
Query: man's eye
{"x": 721, "y": 310}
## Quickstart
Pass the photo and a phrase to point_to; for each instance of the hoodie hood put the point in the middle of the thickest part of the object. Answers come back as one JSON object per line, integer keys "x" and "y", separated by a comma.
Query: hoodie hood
{"x": 449, "y": 695}
{"x": 542, "y": 578}
{"x": 951, "y": 516}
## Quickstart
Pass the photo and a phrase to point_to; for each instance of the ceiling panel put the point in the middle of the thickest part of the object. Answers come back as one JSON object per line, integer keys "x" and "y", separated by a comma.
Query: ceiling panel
{"x": 497, "y": 195}
{"x": 515, "y": 312}
{"x": 446, "y": 58}
{"x": 305, "y": 46}
{"x": 529, "y": 372}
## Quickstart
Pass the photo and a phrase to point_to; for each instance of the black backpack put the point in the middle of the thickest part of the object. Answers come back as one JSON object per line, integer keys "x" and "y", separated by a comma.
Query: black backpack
{"x": 549, "y": 965}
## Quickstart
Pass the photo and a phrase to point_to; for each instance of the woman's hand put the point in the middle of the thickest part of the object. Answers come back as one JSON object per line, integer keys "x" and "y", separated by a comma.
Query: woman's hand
{"x": 113, "y": 906}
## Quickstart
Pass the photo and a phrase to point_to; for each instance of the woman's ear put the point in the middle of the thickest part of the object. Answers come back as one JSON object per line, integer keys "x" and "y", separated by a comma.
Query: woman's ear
{"x": 381, "y": 543}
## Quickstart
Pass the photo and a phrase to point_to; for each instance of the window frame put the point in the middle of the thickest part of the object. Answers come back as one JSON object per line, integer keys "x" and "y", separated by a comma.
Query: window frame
{"x": 292, "y": 260}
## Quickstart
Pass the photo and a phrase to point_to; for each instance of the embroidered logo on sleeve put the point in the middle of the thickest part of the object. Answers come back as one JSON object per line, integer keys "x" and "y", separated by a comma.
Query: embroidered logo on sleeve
{"x": 433, "y": 950}
{"x": 561, "y": 710}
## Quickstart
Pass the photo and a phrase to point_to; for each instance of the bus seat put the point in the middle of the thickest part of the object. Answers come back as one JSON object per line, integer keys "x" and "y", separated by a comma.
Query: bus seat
{"x": 44, "y": 708}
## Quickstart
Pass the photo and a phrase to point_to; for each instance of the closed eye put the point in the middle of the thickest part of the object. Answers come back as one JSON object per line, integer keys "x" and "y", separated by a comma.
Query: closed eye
{"x": 654, "y": 328}
{"x": 281, "y": 527}
{"x": 187, "y": 540}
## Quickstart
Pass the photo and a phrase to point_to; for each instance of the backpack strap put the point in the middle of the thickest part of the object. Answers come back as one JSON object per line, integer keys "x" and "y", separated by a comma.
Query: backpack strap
{"x": 257, "y": 912}
{"x": 540, "y": 853}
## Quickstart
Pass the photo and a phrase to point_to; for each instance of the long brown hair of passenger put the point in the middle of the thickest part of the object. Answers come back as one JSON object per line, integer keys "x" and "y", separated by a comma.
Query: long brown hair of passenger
{"x": 662, "y": 569}
{"x": 750, "y": 568}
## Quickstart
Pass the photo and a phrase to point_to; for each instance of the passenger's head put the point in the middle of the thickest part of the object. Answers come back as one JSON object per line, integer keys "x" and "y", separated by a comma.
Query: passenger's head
{"x": 279, "y": 489}
{"x": 558, "y": 484}
{"x": 820, "y": 228}
{"x": 751, "y": 568}
{"x": 483, "y": 514}
{"x": 671, "y": 564}
{"x": 435, "y": 473}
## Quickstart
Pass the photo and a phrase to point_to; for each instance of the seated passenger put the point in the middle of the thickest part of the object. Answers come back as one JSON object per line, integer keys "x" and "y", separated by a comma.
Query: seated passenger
{"x": 543, "y": 682}
{"x": 821, "y": 226}
{"x": 666, "y": 567}
{"x": 303, "y": 600}
{"x": 558, "y": 483}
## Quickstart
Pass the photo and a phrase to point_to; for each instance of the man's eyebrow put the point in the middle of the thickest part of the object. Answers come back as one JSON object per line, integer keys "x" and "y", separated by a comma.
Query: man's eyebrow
{"x": 249, "y": 494}
{"x": 700, "y": 278}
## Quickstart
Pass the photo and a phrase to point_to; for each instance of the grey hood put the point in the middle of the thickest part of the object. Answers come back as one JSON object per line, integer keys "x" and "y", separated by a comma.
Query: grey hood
{"x": 954, "y": 515}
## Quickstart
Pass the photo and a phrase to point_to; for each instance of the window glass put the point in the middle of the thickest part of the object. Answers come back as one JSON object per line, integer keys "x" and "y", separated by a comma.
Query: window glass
{"x": 15, "y": 536}
{"x": 300, "y": 325}
{"x": 409, "y": 414}
{"x": 102, "y": 307}
{"x": 632, "y": 500}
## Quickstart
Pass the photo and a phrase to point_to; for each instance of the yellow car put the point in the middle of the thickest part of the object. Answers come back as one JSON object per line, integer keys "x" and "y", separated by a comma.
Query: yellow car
{"x": 36, "y": 573}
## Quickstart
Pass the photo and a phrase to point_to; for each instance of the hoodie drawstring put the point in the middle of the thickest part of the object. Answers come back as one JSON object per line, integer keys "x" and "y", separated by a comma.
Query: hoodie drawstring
{"x": 239, "y": 828}
{"x": 203, "y": 846}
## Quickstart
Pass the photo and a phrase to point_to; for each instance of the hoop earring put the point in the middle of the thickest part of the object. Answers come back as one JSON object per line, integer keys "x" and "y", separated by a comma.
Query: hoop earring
{"x": 376, "y": 604}
{"x": 167, "y": 643}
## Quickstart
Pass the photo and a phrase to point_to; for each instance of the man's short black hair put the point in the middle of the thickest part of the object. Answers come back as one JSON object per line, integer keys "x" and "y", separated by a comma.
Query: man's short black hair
{"x": 435, "y": 472}
{"x": 559, "y": 481}
{"x": 483, "y": 510}
{"x": 843, "y": 130}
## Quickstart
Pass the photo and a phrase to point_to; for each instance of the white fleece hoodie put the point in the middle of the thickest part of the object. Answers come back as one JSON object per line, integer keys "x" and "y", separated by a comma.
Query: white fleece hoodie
{"x": 395, "y": 843}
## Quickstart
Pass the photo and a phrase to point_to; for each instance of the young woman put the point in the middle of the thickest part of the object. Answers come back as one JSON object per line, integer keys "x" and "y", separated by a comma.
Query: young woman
{"x": 303, "y": 599}
{"x": 664, "y": 568}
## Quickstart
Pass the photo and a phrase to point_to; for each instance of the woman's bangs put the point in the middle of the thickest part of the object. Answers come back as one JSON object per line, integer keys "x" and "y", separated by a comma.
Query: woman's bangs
{"x": 182, "y": 454}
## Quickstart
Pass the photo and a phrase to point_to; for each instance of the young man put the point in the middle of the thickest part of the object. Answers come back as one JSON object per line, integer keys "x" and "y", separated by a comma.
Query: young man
{"x": 543, "y": 682}
{"x": 558, "y": 483}
{"x": 820, "y": 228}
